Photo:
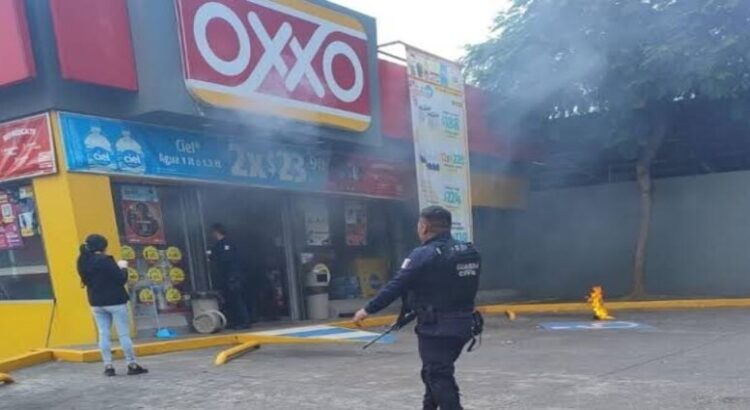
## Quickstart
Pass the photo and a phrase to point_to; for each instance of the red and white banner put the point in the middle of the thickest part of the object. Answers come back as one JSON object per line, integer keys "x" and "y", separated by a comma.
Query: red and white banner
{"x": 26, "y": 148}
{"x": 294, "y": 59}
{"x": 367, "y": 176}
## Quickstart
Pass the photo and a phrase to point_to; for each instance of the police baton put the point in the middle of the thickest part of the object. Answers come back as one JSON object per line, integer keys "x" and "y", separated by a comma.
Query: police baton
{"x": 402, "y": 321}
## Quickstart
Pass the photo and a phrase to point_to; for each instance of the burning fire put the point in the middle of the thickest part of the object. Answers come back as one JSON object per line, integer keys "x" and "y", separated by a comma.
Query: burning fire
{"x": 596, "y": 300}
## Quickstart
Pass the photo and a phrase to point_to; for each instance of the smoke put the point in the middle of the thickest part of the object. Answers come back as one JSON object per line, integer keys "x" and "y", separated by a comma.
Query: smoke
{"x": 555, "y": 69}
{"x": 549, "y": 70}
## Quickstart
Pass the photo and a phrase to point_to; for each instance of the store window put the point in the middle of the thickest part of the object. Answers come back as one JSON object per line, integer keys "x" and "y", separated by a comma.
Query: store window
{"x": 152, "y": 232}
{"x": 24, "y": 274}
{"x": 353, "y": 237}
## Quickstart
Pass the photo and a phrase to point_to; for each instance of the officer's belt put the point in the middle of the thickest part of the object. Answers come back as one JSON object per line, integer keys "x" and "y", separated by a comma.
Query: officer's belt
{"x": 463, "y": 309}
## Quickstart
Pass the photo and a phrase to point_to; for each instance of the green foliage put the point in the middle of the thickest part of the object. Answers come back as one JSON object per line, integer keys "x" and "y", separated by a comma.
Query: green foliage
{"x": 624, "y": 59}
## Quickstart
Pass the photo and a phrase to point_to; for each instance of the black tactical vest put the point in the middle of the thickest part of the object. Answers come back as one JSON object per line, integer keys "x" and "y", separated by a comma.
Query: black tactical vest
{"x": 450, "y": 284}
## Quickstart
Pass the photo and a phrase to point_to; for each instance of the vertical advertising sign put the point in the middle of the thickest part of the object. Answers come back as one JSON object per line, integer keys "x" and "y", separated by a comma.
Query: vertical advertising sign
{"x": 26, "y": 148}
{"x": 317, "y": 225}
{"x": 438, "y": 110}
{"x": 355, "y": 216}
{"x": 144, "y": 224}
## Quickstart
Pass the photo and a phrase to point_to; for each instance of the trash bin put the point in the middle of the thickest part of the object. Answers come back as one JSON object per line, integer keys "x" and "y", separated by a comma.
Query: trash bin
{"x": 207, "y": 318}
{"x": 316, "y": 286}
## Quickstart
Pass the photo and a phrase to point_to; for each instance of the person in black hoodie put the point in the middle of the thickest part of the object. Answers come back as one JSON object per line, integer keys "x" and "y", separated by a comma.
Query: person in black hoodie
{"x": 105, "y": 280}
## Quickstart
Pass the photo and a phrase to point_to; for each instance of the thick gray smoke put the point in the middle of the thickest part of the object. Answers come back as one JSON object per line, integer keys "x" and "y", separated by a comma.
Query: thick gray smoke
{"x": 556, "y": 68}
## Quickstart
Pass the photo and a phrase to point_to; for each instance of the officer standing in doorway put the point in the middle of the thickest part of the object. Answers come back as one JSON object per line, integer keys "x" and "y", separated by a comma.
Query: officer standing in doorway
{"x": 441, "y": 278}
{"x": 229, "y": 277}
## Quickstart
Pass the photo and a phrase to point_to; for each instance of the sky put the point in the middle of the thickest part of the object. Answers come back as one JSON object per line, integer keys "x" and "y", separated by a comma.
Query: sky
{"x": 438, "y": 26}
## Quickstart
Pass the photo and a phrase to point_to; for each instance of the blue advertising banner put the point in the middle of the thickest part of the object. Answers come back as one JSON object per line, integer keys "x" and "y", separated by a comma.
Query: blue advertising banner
{"x": 100, "y": 145}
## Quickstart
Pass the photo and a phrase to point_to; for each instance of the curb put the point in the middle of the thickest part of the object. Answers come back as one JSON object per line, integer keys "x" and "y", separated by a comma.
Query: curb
{"x": 648, "y": 305}
{"x": 29, "y": 359}
{"x": 6, "y": 379}
{"x": 245, "y": 342}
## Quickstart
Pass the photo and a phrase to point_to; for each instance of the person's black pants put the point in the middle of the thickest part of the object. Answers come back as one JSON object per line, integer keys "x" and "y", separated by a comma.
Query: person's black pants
{"x": 438, "y": 356}
{"x": 236, "y": 308}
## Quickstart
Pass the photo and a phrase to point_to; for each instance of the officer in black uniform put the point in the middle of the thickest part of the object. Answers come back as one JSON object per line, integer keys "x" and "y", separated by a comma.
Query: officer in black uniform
{"x": 229, "y": 278}
{"x": 441, "y": 278}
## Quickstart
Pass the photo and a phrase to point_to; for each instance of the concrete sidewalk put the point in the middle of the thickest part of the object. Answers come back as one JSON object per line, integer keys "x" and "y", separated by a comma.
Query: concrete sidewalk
{"x": 686, "y": 360}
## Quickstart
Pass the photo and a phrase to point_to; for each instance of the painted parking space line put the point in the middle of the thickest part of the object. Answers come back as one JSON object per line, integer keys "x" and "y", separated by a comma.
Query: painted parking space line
{"x": 608, "y": 325}
{"x": 328, "y": 332}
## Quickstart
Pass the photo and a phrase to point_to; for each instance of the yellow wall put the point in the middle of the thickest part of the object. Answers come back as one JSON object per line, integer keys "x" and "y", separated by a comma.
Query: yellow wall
{"x": 498, "y": 191}
{"x": 23, "y": 325}
{"x": 70, "y": 206}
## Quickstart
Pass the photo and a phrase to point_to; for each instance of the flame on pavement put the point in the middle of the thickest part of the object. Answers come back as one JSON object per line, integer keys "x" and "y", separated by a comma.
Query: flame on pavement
{"x": 596, "y": 300}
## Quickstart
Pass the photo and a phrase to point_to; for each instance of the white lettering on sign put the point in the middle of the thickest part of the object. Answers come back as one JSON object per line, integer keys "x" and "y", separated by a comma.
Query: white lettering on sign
{"x": 286, "y": 166}
{"x": 19, "y": 132}
{"x": 272, "y": 57}
{"x": 211, "y": 11}
{"x": 187, "y": 147}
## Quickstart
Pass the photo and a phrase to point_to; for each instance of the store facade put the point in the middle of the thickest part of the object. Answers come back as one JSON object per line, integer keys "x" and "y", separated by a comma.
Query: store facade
{"x": 148, "y": 124}
{"x": 287, "y": 208}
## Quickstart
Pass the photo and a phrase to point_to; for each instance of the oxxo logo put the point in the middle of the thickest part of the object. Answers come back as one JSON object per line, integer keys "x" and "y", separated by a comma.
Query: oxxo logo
{"x": 286, "y": 58}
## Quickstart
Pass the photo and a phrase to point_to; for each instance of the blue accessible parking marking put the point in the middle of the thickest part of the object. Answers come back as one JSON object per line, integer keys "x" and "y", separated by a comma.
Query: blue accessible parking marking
{"x": 608, "y": 325}
{"x": 329, "y": 332}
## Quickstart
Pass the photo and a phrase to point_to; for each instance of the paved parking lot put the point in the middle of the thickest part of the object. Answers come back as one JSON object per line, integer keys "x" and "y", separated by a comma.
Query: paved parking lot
{"x": 684, "y": 360}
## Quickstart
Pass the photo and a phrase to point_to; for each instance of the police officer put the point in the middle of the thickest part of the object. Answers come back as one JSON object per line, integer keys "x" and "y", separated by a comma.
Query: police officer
{"x": 441, "y": 278}
{"x": 229, "y": 277}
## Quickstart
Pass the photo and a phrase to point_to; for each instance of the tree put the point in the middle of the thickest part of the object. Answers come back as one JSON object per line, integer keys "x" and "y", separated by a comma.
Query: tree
{"x": 632, "y": 68}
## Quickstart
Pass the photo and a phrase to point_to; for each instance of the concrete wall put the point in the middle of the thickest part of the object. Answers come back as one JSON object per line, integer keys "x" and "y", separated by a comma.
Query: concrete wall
{"x": 701, "y": 236}
{"x": 493, "y": 233}
{"x": 568, "y": 240}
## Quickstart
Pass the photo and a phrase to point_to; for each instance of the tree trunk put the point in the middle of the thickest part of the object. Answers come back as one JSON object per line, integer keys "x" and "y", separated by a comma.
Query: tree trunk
{"x": 639, "y": 264}
{"x": 643, "y": 170}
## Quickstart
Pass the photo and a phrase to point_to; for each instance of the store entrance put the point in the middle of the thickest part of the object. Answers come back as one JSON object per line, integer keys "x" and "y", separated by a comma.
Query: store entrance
{"x": 253, "y": 220}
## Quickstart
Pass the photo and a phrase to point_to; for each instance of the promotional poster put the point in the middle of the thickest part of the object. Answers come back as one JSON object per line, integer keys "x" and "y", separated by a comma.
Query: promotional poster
{"x": 142, "y": 215}
{"x": 441, "y": 137}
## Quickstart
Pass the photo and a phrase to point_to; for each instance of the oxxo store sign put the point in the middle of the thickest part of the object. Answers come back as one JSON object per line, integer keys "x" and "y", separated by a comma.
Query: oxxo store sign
{"x": 289, "y": 58}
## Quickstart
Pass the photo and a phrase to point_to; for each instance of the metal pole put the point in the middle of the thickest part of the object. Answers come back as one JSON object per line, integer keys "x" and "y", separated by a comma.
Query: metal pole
{"x": 293, "y": 283}
{"x": 203, "y": 233}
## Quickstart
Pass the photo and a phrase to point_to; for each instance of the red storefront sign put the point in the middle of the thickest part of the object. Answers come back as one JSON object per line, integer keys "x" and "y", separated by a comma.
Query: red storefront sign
{"x": 367, "y": 176}
{"x": 15, "y": 44}
{"x": 26, "y": 148}
{"x": 288, "y": 58}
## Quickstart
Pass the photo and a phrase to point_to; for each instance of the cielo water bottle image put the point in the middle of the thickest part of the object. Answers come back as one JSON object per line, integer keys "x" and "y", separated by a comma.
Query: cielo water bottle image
{"x": 130, "y": 156}
{"x": 99, "y": 153}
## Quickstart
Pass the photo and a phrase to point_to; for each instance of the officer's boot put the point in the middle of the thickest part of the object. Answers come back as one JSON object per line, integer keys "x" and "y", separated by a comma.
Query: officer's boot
{"x": 444, "y": 388}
